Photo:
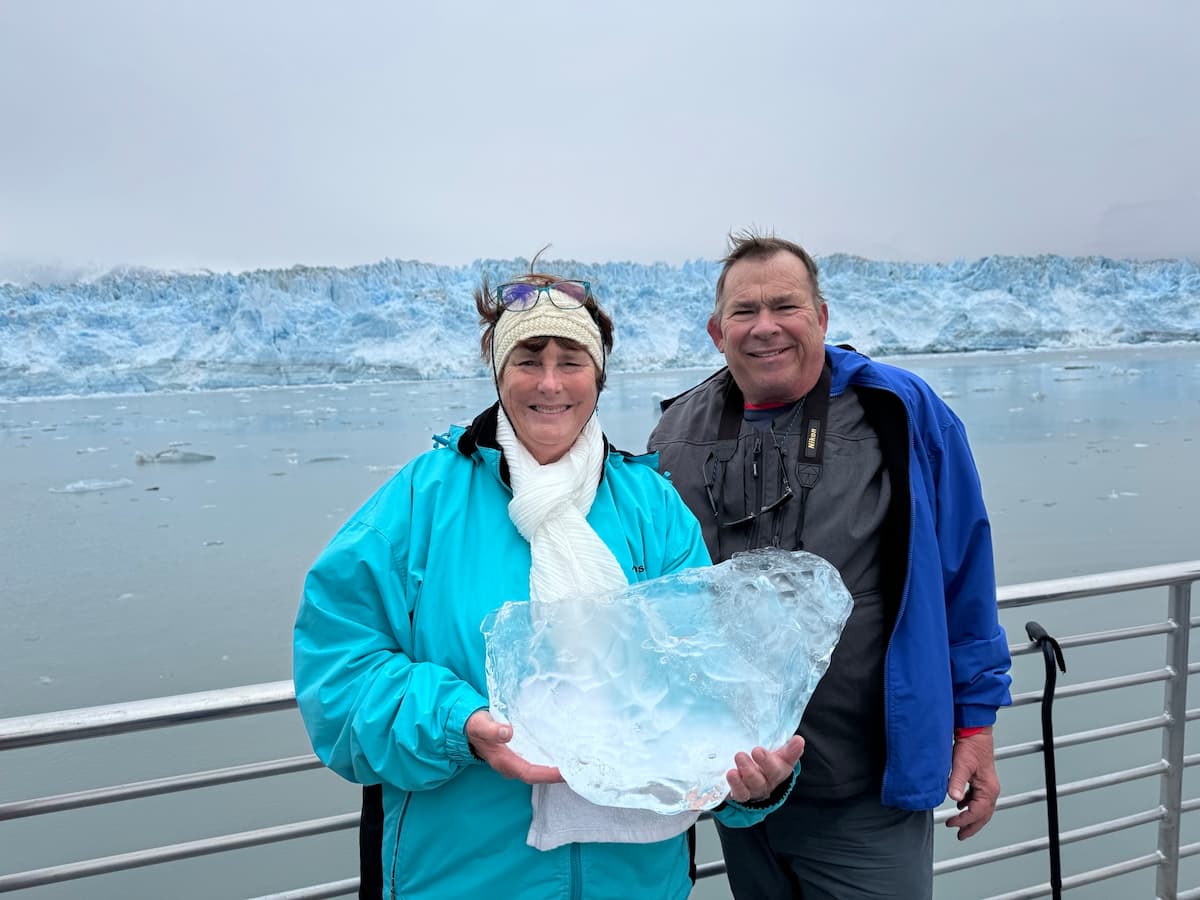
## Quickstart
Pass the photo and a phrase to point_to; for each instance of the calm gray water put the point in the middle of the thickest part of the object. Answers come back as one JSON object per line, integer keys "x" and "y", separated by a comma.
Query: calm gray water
{"x": 180, "y": 577}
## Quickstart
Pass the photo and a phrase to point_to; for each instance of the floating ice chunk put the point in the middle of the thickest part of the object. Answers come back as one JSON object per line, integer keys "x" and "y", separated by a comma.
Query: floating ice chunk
{"x": 642, "y": 697}
{"x": 173, "y": 455}
{"x": 88, "y": 485}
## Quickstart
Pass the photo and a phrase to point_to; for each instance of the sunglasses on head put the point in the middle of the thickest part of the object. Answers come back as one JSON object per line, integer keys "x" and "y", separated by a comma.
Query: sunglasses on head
{"x": 521, "y": 295}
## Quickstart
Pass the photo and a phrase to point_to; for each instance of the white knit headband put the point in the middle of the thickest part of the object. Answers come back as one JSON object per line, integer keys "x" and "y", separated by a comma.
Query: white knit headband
{"x": 545, "y": 319}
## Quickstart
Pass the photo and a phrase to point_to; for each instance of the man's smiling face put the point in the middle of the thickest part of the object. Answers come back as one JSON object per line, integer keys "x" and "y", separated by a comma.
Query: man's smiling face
{"x": 771, "y": 328}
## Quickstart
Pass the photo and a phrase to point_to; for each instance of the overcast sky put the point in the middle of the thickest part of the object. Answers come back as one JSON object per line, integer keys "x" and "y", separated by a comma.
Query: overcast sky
{"x": 234, "y": 135}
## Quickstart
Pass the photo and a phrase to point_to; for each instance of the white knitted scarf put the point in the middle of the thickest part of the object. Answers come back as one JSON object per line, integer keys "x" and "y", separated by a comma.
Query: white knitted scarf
{"x": 549, "y": 507}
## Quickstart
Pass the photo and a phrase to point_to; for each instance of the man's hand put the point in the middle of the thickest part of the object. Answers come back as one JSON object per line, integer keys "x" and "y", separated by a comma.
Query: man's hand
{"x": 760, "y": 771}
{"x": 489, "y": 739}
{"x": 974, "y": 785}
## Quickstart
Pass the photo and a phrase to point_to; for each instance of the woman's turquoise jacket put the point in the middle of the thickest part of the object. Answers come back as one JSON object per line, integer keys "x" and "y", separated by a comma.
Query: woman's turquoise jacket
{"x": 389, "y": 663}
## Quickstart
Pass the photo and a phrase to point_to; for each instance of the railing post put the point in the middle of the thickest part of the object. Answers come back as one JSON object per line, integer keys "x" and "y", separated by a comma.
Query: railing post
{"x": 1175, "y": 706}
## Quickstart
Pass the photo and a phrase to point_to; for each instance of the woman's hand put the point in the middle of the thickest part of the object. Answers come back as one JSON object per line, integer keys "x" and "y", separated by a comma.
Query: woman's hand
{"x": 760, "y": 771}
{"x": 488, "y": 739}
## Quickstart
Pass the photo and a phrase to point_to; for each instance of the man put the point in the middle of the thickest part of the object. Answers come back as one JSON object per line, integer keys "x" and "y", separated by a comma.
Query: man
{"x": 807, "y": 446}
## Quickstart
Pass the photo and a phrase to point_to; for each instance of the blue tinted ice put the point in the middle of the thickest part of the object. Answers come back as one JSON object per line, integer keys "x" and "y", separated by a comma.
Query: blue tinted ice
{"x": 642, "y": 697}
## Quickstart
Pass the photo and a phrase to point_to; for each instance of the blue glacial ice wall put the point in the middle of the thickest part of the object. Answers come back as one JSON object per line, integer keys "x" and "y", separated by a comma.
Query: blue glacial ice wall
{"x": 147, "y": 330}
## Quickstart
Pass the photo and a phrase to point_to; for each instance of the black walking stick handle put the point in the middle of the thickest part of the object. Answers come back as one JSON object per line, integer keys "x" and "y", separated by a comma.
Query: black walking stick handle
{"x": 1040, "y": 636}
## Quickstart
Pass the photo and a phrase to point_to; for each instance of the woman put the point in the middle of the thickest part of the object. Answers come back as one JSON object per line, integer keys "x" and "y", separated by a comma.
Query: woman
{"x": 529, "y": 501}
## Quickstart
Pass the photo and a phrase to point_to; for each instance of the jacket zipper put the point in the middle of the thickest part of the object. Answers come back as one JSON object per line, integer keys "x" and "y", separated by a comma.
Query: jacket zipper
{"x": 758, "y": 491}
{"x": 777, "y": 534}
{"x": 396, "y": 849}
{"x": 576, "y": 873}
{"x": 887, "y": 651}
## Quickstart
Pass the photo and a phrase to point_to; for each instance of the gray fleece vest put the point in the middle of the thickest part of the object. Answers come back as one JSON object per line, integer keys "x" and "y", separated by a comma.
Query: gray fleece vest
{"x": 842, "y": 516}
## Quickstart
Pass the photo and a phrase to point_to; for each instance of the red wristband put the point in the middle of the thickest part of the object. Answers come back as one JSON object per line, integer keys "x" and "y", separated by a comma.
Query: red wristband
{"x": 960, "y": 733}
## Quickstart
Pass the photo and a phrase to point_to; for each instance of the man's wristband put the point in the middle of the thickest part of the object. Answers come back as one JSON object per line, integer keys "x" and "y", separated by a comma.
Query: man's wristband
{"x": 960, "y": 733}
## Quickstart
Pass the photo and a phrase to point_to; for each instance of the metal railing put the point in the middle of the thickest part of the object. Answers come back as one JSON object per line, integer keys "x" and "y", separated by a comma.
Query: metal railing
{"x": 1177, "y": 578}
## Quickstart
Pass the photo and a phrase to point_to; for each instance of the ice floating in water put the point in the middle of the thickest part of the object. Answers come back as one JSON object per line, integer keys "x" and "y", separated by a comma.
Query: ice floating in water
{"x": 88, "y": 485}
{"x": 174, "y": 455}
{"x": 642, "y": 697}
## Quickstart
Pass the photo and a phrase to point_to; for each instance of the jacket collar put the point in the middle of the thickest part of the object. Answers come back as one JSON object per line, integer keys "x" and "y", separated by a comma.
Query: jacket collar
{"x": 481, "y": 435}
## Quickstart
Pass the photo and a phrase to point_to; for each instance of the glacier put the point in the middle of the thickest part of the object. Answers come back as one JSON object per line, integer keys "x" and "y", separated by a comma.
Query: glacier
{"x": 142, "y": 330}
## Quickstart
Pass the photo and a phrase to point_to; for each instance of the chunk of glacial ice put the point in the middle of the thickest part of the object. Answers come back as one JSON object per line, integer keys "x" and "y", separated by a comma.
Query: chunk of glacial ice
{"x": 642, "y": 696}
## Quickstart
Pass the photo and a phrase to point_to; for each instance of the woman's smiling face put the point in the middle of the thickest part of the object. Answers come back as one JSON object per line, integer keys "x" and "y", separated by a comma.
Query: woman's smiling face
{"x": 548, "y": 395}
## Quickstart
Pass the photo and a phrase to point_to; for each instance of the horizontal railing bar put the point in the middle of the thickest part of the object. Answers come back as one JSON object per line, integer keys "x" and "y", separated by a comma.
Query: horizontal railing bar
{"x": 1021, "y": 848}
{"x": 1018, "y": 595}
{"x": 1092, "y": 876}
{"x": 171, "y": 852}
{"x": 1188, "y": 806}
{"x": 62, "y": 802}
{"x": 345, "y": 888}
{"x": 1095, "y": 687}
{"x": 710, "y": 869}
{"x": 1094, "y": 638}
{"x": 139, "y": 715}
{"x": 153, "y": 787}
{"x": 1084, "y": 737}
{"x": 1096, "y": 782}
{"x": 1184, "y": 851}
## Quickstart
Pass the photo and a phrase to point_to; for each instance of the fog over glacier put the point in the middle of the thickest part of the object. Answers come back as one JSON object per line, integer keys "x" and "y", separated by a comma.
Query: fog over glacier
{"x": 147, "y": 330}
